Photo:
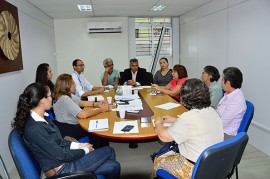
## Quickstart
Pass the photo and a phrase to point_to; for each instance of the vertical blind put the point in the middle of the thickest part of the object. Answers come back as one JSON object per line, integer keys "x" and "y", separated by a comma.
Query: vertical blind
{"x": 147, "y": 35}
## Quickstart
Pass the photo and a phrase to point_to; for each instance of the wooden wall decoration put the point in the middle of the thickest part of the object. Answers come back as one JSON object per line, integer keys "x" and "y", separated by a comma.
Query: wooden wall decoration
{"x": 10, "y": 44}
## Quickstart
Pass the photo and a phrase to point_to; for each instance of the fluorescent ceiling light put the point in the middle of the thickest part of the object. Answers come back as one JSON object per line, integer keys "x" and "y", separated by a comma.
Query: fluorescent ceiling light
{"x": 158, "y": 8}
{"x": 85, "y": 7}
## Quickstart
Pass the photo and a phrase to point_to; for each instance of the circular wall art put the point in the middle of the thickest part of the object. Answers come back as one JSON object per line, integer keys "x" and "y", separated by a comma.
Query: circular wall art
{"x": 9, "y": 35}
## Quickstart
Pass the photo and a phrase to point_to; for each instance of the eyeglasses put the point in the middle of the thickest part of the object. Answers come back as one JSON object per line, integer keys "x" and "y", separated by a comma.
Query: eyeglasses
{"x": 108, "y": 65}
{"x": 81, "y": 65}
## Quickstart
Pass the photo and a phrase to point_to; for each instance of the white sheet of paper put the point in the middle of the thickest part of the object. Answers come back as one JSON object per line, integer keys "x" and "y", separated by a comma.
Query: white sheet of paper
{"x": 126, "y": 97}
{"x": 168, "y": 106}
{"x": 145, "y": 86}
{"x": 118, "y": 126}
{"x": 136, "y": 88}
{"x": 98, "y": 125}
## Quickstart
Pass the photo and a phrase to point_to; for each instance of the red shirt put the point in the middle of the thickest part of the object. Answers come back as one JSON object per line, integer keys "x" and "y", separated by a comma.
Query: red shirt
{"x": 174, "y": 83}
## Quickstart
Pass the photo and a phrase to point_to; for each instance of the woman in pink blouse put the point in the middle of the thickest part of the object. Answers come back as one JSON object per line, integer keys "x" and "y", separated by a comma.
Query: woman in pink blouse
{"x": 173, "y": 88}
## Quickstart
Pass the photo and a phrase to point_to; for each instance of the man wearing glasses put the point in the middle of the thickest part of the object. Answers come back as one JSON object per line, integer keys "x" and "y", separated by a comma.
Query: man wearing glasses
{"x": 83, "y": 87}
{"x": 110, "y": 76}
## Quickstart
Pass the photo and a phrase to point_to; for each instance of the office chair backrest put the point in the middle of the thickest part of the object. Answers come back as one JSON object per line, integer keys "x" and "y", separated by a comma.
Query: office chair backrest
{"x": 121, "y": 82}
{"x": 149, "y": 78}
{"x": 217, "y": 161}
{"x": 23, "y": 158}
{"x": 248, "y": 116}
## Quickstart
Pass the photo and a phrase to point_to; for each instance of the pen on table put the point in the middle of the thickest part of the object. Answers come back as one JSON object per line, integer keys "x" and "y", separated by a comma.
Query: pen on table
{"x": 96, "y": 123}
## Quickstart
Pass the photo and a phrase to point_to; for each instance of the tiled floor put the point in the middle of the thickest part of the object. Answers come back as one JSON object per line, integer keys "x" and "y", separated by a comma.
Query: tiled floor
{"x": 136, "y": 163}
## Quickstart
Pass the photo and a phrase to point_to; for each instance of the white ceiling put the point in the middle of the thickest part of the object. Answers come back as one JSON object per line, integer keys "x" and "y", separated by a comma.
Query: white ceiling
{"x": 67, "y": 9}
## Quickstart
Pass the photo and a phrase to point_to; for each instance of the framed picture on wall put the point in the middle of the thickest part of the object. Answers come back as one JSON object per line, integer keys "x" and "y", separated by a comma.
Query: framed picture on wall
{"x": 10, "y": 43}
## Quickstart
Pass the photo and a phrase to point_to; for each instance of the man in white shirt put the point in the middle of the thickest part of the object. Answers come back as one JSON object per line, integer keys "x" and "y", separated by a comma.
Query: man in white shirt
{"x": 83, "y": 87}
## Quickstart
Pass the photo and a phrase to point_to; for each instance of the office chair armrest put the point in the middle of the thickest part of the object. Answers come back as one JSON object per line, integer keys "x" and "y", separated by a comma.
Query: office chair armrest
{"x": 164, "y": 174}
{"x": 77, "y": 174}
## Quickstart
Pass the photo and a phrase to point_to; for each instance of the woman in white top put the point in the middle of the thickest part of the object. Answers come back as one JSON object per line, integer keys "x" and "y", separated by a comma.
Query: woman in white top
{"x": 193, "y": 131}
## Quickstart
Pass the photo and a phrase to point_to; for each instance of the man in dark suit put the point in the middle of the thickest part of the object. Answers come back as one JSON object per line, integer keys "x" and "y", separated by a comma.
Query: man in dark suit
{"x": 134, "y": 75}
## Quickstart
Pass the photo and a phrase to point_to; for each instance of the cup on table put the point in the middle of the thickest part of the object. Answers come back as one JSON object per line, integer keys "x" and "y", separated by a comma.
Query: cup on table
{"x": 122, "y": 113}
{"x": 135, "y": 91}
{"x": 109, "y": 100}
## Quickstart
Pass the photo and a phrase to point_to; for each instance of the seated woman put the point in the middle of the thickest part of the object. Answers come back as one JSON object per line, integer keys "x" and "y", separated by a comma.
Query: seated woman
{"x": 54, "y": 154}
{"x": 232, "y": 106}
{"x": 67, "y": 110}
{"x": 110, "y": 76}
{"x": 164, "y": 75}
{"x": 44, "y": 75}
{"x": 210, "y": 76}
{"x": 193, "y": 131}
{"x": 179, "y": 75}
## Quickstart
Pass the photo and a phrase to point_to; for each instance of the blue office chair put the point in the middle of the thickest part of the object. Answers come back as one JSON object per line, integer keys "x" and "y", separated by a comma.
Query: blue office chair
{"x": 248, "y": 116}
{"x": 217, "y": 161}
{"x": 27, "y": 165}
{"x": 81, "y": 140}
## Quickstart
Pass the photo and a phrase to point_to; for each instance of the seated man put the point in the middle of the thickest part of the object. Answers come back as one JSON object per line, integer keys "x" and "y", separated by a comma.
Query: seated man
{"x": 110, "y": 76}
{"x": 232, "y": 106}
{"x": 134, "y": 75}
{"x": 83, "y": 87}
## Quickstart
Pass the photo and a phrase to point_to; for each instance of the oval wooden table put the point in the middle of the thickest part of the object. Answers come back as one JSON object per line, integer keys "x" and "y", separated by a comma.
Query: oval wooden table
{"x": 146, "y": 130}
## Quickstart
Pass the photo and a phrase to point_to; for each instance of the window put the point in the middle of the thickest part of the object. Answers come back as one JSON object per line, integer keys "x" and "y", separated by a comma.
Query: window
{"x": 147, "y": 32}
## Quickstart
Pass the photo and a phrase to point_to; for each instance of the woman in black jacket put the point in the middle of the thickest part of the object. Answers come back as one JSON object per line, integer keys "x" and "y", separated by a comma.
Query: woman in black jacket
{"x": 55, "y": 154}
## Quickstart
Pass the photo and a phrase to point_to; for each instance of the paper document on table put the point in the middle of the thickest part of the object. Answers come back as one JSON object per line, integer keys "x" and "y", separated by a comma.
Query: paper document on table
{"x": 98, "y": 125}
{"x": 118, "y": 126}
{"x": 167, "y": 124}
{"x": 95, "y": 98}
{"x": 168, "y": 106}
{"x": 136, "y": 88}
{"x": 130, "y": 107}
{"x": 127, "y": 97}
{"x": 145, "y": 86}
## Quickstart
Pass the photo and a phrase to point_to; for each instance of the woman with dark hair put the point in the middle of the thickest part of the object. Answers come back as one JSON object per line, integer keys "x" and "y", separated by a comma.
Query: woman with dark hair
{"x": 55, "y": 154}
{"x": 67, "y": 111}
{"x": 193, "y": 131}
{"x": 210, "y": 76}
{"x": 163, "y": 76}
{"x": 44, "y": 75}
{"x": 179, "y": 75}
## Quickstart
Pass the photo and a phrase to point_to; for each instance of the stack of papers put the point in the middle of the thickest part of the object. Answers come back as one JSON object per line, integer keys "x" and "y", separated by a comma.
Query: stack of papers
{"x": 127, "y": 97}
{"x": 118, "y": 126}
{"x": 98, "y": 125}
{"x": 168, "y": 106}
{"x": 130, "y": 107}
{"x": 95, "y": 98}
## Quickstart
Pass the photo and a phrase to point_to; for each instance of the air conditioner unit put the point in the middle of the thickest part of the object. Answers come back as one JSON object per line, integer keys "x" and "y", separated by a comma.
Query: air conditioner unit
{"x": 104, "y": 27}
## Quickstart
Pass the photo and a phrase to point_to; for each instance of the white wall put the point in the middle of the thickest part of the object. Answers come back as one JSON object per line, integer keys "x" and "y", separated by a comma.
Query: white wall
{"x": 73, "y": 41}
{"x": 233, "y": 33}
{"x": 37, "y": 41}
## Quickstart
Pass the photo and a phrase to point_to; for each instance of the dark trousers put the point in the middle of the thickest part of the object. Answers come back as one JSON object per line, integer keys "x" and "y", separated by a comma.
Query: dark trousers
{"x": 75, "y": 131}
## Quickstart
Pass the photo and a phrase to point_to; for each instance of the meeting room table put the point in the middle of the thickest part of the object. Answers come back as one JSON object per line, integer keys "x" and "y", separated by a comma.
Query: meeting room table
{"x": 146, "y": 130}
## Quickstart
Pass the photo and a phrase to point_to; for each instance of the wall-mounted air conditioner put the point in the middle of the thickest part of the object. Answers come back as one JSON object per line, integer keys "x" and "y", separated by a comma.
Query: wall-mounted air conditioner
{"x": 104, "y": 27}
